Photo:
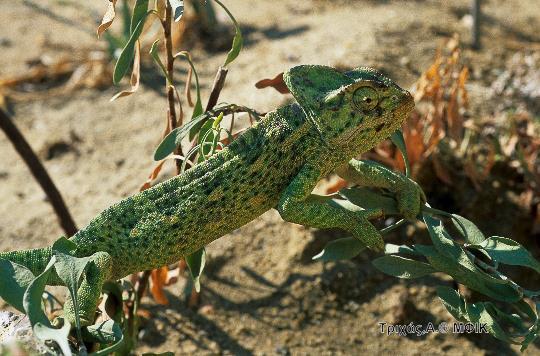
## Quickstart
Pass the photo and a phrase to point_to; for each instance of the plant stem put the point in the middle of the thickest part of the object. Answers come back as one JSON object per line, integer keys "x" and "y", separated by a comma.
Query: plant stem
{"x": 39, "y": 172}
{"x": 169, "y": 64}
{"x": 219, "y": 82}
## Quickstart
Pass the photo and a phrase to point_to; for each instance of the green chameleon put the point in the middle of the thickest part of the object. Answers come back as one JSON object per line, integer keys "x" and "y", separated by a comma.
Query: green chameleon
{"x": 274, "y": 164}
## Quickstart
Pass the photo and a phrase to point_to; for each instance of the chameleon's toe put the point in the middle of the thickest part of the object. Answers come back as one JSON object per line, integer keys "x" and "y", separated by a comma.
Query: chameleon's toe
{"x": 410, "y": 200}
{"x": 365, "y": 232}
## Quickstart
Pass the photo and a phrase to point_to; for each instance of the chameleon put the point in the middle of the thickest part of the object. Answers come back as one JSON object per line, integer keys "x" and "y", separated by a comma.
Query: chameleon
{"x": 276, "y": 163}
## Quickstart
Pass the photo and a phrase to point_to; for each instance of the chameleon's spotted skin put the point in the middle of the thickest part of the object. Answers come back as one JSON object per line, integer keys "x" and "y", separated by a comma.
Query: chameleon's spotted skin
{"x": 275, "y": 164}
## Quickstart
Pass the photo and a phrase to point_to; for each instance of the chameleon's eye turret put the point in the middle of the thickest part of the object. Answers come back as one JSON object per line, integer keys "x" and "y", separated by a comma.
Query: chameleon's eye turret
{"x": 365, "y": 98}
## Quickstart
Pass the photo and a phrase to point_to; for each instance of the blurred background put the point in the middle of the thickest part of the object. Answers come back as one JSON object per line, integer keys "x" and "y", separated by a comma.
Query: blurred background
{"x": 473, "y": 142}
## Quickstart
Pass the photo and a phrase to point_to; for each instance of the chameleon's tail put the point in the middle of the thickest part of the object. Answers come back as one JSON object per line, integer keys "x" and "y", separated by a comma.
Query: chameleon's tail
{"x": 35, "y": 259}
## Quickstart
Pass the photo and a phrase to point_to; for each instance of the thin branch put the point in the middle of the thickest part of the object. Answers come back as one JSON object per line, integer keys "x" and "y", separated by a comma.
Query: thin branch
{"x": 219, "y": 82}
{"x": 39, "y": 172}
{"x": 169, "y": 63}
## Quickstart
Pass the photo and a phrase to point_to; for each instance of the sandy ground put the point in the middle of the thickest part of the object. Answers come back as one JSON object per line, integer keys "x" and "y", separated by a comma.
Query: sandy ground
{"x": 261, "y": 294}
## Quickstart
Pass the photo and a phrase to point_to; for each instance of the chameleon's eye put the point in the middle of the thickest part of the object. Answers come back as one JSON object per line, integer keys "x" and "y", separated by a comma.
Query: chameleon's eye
{"x": 365, "y": 98}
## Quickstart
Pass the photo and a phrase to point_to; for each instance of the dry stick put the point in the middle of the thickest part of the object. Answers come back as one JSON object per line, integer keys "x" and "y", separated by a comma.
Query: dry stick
{"x": 171, "y": 112}
{"x": 39, "y": 172}
{"x": 219, "y": 82}
{"x": 166, "y": 23}
{"x": 477, "y": 19}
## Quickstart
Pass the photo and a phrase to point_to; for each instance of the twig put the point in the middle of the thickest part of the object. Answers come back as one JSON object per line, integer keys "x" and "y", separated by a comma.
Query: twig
{"x": 39, "y": 172}
{"x": 219, "y": 82}
{"x": 171, "y": 112}
{"x": 477, "y": 19}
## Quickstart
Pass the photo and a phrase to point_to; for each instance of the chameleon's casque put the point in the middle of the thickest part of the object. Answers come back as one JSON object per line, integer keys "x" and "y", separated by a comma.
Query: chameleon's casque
{"x": 274, "y": 164}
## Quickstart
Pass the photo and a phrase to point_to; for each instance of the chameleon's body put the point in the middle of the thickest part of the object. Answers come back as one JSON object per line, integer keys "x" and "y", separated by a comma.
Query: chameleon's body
{"x": 274, "y": 164}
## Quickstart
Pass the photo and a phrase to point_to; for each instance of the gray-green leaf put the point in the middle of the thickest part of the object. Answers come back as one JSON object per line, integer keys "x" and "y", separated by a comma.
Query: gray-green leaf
{"x": 340, "y": 249}
{"x": 238, "y": 40}
{"x": 452, "y": 302}
{"x": 470, "y": 232}
{"x": 369, "y": 199}
{"x": 60, "y": 336}
{"x": 70, "y": 270}
{"x": 139, "y": 12}
{"x": 32, "y": 296}
{"x": 509, "y": 252}
{"x": 401, "y": 267}
{"x": 399, "y": 141}
{"x": 125, "y": 58}
{"x": 105, "y": 332}
{"x": 196, "y": 262}
{"x": 14, "y": 279}
{"x": 175, "y": 137}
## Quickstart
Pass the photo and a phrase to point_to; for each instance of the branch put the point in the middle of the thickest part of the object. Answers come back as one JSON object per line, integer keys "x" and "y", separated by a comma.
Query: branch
{"x": 39, "y": 172}
{"x": 219, "y": 82}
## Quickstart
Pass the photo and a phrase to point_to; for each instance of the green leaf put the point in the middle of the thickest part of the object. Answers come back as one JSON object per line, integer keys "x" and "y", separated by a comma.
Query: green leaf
{"x": 196, "y": 262}
{"x": 139, "y": 13}
{"x": 477, "y": 313}
{"x": 64, "y": 245}
{"x": 441, "y": 240}
{"x": 175, "y": 137}
{"x": 509, "y": 252}
{"x": 369, "y": 199}
{"x": 105, "y": 332}
{"x": 155, "y": 56}
{"x": 390, "y": 249}
{"x": 452, "y": 301}
{"x": 401, "y": 267}
{"x": 60, "y": 336}
{"x": 399, "y": 141}
{"x": 14, "y": 279}
{"x": 197, "y": 109}
{"x": 530, "y": 337}
{"x": 464, "y": 271}
{"x": 340, "y": 249}
{"x": 70, "y": 270}
{"x": 511, "y": 319}
{"x": 122, "y": 64}
{"x": 32, "y": 296}
{"x": 470, "y": 232}
{"x": 109, "y": 350}
{"x": 178, "y": 9}
{"x": 526, "y": 309}
{"x": 238, "y": 41}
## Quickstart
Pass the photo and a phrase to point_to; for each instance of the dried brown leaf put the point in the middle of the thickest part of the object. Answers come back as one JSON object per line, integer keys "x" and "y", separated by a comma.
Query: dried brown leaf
{"x": 277, "y": 83}
{"x": 152, "y": 176}
{"x": 188, "y": 87}
{"x": 336, "y": 186}
{"x": 158, "y": 279}
{"x": 108, "y": 18}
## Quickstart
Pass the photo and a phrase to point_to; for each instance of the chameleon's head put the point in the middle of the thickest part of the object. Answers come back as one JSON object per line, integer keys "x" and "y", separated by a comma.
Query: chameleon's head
{"x": 352, "y": 110}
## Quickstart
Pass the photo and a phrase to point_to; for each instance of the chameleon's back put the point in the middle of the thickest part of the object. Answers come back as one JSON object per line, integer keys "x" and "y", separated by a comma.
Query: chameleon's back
{"x": 179, "y": 216}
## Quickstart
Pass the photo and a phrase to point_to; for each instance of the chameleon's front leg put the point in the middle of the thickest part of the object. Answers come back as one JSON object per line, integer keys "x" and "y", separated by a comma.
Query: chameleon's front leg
{"x": 294, "y": 206}
{"x": 89, "y": 292}
{"x": 409, "y": 195}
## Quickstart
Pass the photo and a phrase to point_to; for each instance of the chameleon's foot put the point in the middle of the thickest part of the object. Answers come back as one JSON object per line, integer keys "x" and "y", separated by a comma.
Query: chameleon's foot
{"x": 360, "y": 227}
{"x": 411, "y": 199}
{"x": 97, "y": 272}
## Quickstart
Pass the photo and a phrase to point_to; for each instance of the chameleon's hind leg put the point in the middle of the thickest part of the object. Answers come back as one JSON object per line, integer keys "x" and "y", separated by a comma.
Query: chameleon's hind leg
{"x": 97, "y": 272}
{"x": 296, "y": 206}
{"x": 409, "y": 195}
